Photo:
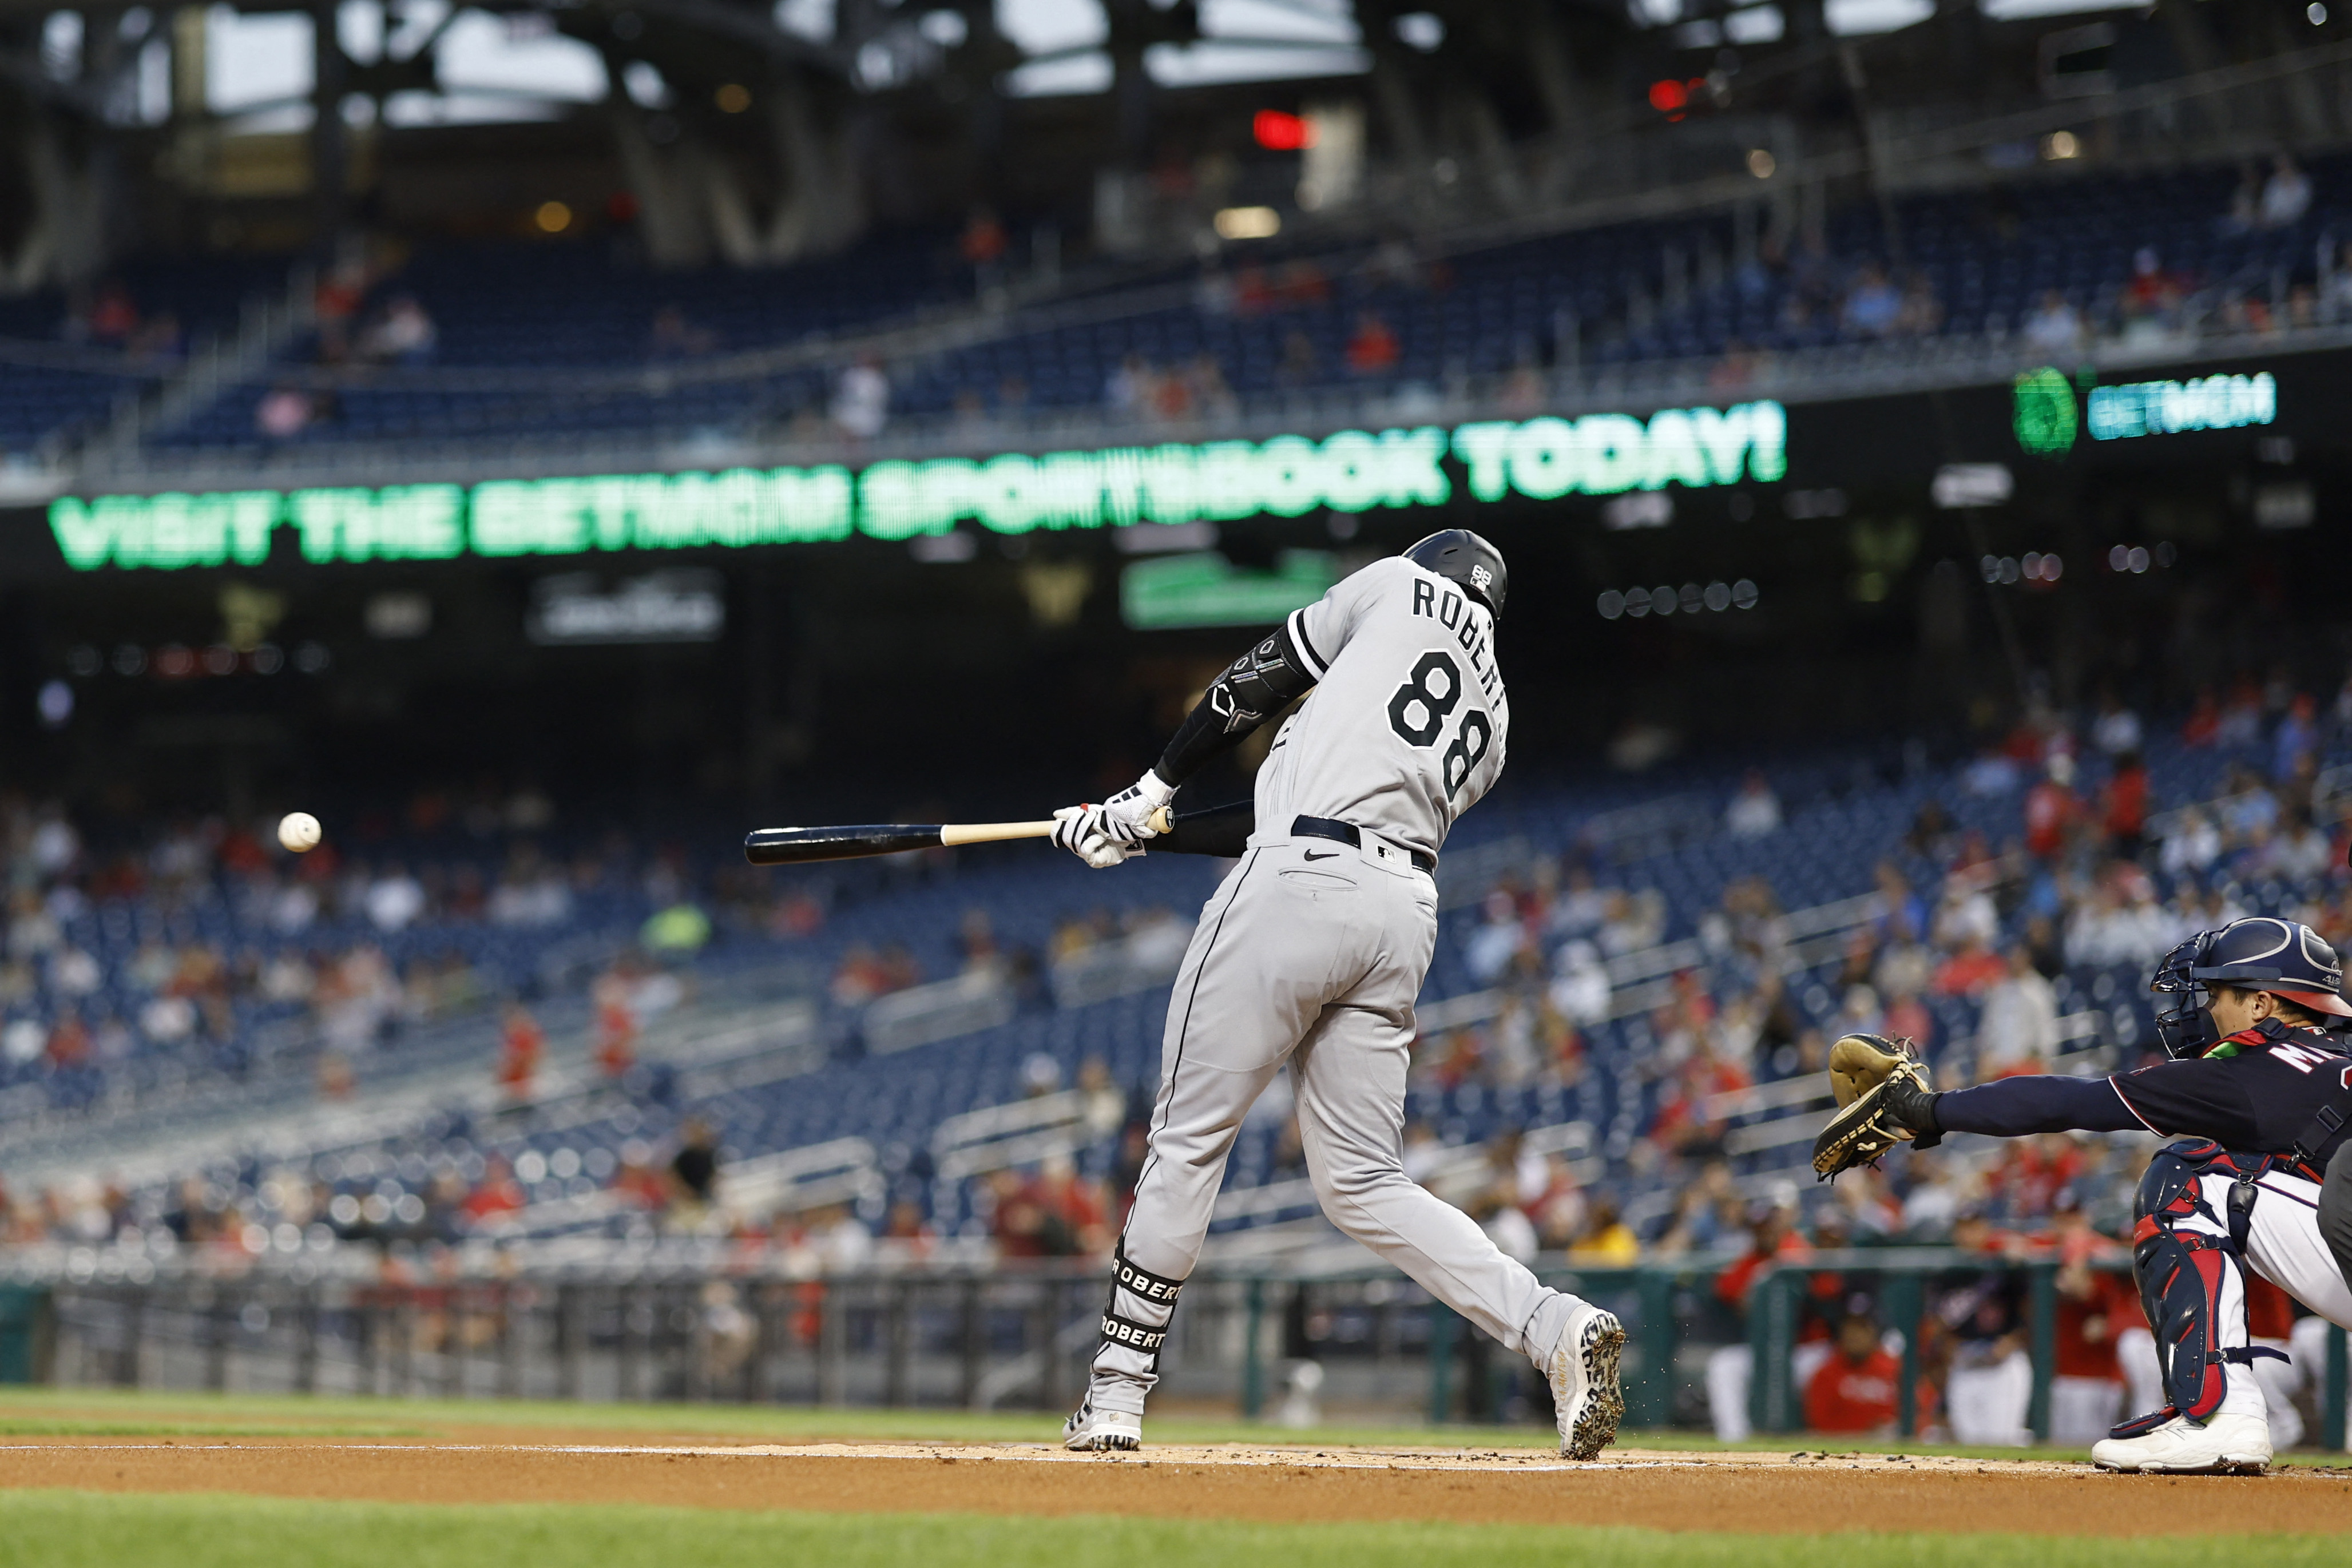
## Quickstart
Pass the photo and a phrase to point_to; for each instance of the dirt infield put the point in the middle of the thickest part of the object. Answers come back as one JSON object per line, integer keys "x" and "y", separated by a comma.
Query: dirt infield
{"x": 1660, "y": 1489}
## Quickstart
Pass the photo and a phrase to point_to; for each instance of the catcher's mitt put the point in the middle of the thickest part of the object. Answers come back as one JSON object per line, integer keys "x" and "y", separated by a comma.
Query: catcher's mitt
{"x": 1882, "y": 1094}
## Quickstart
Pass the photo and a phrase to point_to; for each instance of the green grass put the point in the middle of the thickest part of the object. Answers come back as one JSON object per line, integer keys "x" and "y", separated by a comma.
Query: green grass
{"x": 86, "y": 1530}
{"x": 62, "y": 1412}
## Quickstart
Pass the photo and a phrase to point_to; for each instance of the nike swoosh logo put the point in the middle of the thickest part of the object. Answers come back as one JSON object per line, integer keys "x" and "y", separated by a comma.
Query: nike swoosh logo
{"x": 1327, "y": 855}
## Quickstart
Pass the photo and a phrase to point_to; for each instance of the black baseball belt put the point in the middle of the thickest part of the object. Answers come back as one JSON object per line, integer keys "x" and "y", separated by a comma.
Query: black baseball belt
{"x": 1351, "y": 835}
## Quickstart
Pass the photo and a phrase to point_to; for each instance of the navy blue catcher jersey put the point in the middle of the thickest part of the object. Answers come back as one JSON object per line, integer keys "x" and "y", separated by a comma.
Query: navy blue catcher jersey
{"x": 2271, "y": 1090}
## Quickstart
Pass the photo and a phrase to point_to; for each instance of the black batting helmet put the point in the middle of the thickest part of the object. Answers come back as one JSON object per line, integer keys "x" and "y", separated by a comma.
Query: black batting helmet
{"x": 2262, "y": 953}
{"x": 1462, "y": 556}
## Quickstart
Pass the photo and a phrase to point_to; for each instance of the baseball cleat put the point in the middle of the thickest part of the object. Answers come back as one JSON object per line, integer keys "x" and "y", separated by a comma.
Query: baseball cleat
{"x": 1584, "y": 1391}
{"x": 1092, "y": 1430}
{"x": 2221, "y": 1445}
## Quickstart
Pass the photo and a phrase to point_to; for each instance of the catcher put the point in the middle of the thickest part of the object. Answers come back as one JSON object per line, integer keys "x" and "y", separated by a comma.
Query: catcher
{"x": 2261, "y": 1095}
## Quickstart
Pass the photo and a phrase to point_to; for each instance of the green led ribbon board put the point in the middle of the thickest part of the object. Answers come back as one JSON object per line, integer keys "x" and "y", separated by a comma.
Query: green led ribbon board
{"x": 1209, "y": 590}
{"x": 2167, "y": 408}
{"x": 1176, "y": 482}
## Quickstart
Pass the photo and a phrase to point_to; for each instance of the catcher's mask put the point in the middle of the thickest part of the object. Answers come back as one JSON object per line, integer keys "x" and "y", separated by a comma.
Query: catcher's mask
{"x": 2259, "y": 954}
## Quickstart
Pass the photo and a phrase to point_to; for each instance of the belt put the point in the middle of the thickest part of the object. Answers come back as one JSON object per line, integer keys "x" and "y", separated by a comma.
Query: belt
{"x": 1349, "y": 834}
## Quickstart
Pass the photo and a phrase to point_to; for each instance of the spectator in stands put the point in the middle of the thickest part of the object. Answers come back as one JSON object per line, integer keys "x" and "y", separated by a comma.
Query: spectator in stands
{"x": 1921, "y": 314}
{"x": 2299, "y": 851}
{"x": 1499, "y": 939}
{"x": 2297, "y": 740}
{"x": 158, "y": 340}
{"x": 1874, "y": 305}
{"x": 522, "y": 1046}
{"x": 983, "y": 245}
{"x": 2052, "y": 810}
{"x": 1300, "y": 366}
{"x": 1372, "y": 349}
{"x": 1772, "y": 1239}
{"x": 616, "y": 1023}
{"x": 113, "y": 316}
{"x": 1992, "y": 1378}
{"x": 1853, "y": 1391}
{"x": 2018, "y": 1030}
{"x": 694, "y": 1169}
{"x": 498, "y": 1193}
{"x": 1755, "y": 810}
{"x": 2094, "y": 1308}
{"x": 2286, "y": 195}
{"x": 673, "y": 336}
{"x": 2152, "y": 298}
{"x": 1606, "y": 1240}
{"x": 2117, "y": 730}
{"x": 394, "y": 899}
{"x": 1132, "y": 390}
{"x": 2054, "y": 328}
{"x": 404, "y": 334}
{"x": 284, "y": 412}
{"x": 861, "y": 400}
{"x": 1632, "y": 922}
{"x": 2122, "y": 806}
{"x": 1579, "y": 987}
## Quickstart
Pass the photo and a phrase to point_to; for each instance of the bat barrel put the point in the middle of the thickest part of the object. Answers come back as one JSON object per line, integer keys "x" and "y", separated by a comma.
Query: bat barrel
{"x": 792, "y": 846}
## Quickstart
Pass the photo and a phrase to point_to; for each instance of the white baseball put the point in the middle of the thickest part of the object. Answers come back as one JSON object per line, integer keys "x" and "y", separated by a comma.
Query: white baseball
{"x": 300, "y": 832}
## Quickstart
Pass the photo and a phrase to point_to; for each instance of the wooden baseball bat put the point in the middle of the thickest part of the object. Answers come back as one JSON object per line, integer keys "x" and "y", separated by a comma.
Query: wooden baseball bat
{"x": 794, "y": 846}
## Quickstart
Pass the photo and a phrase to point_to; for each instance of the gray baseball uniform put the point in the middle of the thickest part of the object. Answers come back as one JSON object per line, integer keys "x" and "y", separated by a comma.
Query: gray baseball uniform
{"x": 1312, "y": 952}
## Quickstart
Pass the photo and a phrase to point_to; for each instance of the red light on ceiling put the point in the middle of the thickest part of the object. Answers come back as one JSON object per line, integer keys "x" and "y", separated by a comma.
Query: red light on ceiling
{"x": 1668, "y": 95}
{"x": 1279, "y": 132}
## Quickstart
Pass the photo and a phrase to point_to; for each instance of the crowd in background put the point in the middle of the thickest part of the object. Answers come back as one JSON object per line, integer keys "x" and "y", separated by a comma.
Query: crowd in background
{"x": 1973, "y": 942}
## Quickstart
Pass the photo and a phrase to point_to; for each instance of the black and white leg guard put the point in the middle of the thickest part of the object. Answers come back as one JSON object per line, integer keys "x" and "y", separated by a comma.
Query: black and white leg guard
{"x": 1134, "y": 1327}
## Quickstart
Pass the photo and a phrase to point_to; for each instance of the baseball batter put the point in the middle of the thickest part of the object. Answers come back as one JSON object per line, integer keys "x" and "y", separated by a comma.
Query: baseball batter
{"x": 1311, "y": 953}
{"x": 2262, "y": 1094}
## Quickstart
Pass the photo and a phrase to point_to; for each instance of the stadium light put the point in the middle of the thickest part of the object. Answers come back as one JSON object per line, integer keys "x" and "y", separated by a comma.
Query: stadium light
{"x": 1249, "y": 222}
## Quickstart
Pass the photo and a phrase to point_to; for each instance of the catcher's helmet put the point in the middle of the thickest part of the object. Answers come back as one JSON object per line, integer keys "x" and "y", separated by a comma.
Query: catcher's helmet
{"x": 2260, "y": 953}
{"x": 1462, "y": 556}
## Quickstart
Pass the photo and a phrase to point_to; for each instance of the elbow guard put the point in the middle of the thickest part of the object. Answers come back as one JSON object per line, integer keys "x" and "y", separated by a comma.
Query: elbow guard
{"x": 1245, "y": 693}
{"x": 1260, "y": 684}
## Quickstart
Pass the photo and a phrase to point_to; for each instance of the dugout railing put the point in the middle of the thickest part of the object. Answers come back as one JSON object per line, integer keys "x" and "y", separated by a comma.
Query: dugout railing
{"x": 954, "y": 1337}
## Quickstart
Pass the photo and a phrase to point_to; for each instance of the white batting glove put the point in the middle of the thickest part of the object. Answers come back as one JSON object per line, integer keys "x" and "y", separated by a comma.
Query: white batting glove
{"x": 1082, "y": 830}
{"x": 1128, "y": 815}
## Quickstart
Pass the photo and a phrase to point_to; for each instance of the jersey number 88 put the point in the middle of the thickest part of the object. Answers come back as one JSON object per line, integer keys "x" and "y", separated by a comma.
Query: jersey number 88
{"x": 1432, "y": 692}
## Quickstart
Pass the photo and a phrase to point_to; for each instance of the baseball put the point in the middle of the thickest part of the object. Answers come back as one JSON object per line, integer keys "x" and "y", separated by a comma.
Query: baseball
{"x": 298, "y": 832}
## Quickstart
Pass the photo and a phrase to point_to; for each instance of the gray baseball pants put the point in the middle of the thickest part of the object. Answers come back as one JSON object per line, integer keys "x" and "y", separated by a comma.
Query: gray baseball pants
{"x": 1309, "y": 952}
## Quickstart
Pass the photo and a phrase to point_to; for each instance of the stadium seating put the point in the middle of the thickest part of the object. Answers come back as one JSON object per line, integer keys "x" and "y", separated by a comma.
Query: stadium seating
{"x": 1279, "y": 324}
{"x": 1843, "y": 814}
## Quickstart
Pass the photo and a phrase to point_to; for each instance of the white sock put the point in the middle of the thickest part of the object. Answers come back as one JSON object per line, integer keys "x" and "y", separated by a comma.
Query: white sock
{"x": 2242, "y": 1394}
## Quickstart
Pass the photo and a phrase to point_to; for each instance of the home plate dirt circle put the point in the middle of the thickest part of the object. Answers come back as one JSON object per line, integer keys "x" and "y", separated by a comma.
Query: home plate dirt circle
{"x": 1801, "y": 1493}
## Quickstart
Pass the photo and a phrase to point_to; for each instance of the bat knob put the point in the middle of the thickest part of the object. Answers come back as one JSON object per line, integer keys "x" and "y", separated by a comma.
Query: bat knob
{"x": 1161, "y": 820}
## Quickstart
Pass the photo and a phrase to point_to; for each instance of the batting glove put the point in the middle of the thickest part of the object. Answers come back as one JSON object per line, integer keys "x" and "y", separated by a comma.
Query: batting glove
{"x": 1126, "y": 816}
{"x": 1082, "y": 830}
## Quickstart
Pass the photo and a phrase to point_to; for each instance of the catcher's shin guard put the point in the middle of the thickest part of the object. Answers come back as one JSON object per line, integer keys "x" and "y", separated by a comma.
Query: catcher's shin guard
{"x": 2191, "y": 1273}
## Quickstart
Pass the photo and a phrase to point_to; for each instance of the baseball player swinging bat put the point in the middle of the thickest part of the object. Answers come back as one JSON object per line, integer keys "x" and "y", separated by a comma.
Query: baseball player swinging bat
{"x": 794, "y": 846}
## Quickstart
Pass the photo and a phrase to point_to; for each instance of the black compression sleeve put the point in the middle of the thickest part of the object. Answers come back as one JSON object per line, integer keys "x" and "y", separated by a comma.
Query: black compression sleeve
{"x": 1222, "y": 830}
{"x": 2012, "y": 1107}
{"x": 1251, "y": 690}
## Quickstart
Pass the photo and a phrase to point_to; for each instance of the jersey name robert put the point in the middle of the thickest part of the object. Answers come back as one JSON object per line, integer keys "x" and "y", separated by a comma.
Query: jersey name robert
{"x": 1405, "y": 727}
{"x": 1449, "y": 609}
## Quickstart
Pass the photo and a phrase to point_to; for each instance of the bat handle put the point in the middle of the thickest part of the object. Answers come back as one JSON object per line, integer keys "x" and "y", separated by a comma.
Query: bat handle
{"x": 1161, "y": 820}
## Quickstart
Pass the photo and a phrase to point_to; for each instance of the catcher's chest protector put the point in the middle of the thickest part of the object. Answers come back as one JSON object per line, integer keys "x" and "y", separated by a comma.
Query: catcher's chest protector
{"x": 2187, "y": 1258}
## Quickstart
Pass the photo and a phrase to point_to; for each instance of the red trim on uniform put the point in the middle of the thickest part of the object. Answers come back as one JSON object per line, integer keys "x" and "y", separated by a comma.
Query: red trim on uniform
{"x": 2115, "y": 1081}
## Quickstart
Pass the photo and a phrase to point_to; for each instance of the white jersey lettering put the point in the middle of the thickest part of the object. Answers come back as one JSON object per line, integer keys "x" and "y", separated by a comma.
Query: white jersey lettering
{"x": 1405, "y": 730}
